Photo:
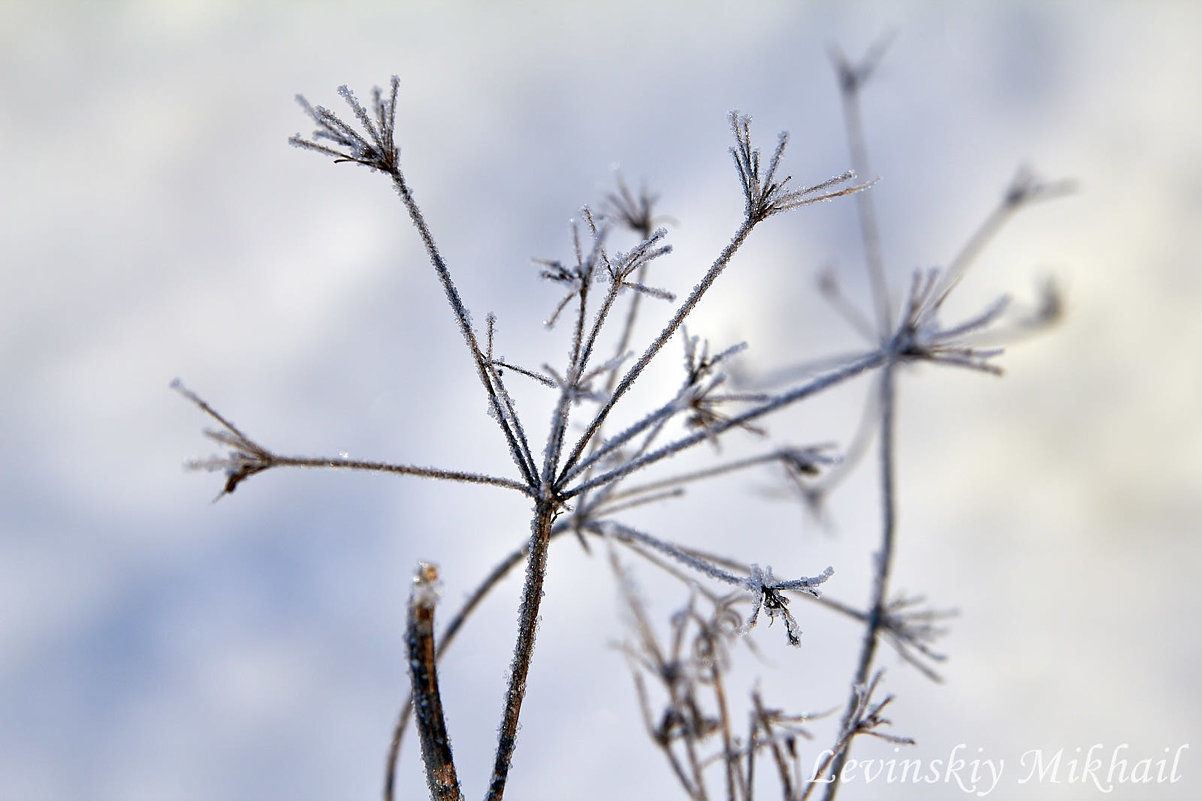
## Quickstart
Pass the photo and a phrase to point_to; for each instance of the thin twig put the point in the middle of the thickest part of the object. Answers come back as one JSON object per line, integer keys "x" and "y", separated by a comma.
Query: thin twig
{"x": 401, "y": 469}
{"x": 851, "y": 80}
{"x": 248, "y": 458}
{"x": 883, "y": 564}
{"x": 518, "y": 449}
{"x": 1023, "y": 190}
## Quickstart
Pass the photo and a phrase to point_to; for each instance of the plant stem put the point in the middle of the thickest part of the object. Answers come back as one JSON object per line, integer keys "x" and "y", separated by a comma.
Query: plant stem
{"x": 851, "y": 79}
{"x": 517, "y": 448}
{"x": 532, "y": 594}
{"x": 411, "y": 470}
{"x": 884, "y": 563}
{"x": 431, "y": 725}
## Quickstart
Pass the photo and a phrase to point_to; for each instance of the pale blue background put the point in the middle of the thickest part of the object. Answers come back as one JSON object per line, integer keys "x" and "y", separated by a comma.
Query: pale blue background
{"x": 156, "y": 224}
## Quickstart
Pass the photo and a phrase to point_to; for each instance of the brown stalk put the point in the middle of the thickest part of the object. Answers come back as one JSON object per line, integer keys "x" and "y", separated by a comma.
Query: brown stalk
{"x": 431, "y": 725}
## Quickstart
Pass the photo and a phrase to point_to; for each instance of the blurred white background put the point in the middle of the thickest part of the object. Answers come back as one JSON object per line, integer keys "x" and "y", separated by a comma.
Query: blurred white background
{"x": 155, "y": 224}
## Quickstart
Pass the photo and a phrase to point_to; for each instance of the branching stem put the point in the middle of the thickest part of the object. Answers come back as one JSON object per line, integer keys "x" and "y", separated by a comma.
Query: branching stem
{"x": 851, "y": 370}
{"x": 654, "y": 348}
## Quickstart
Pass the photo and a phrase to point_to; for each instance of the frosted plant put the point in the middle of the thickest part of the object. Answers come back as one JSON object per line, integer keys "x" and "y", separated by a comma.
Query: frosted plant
{"x": 583, "y": 478}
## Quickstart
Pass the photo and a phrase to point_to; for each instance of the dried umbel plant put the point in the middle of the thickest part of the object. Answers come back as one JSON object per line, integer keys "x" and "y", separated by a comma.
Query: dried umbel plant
{"x": 584, "y": 477}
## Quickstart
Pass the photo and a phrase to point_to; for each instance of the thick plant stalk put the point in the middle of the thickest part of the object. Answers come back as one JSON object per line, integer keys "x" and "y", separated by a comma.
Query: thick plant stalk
{"x": 532, "y": 595}
{"x": 431, "y": 725}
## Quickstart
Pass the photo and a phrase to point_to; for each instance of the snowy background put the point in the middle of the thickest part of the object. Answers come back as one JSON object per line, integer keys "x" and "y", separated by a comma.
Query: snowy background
{"x": 155, "y": 224}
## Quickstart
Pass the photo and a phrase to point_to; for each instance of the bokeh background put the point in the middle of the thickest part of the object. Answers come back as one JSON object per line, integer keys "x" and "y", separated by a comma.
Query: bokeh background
{"x": 155, "y": 225}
